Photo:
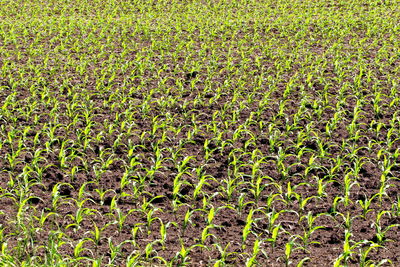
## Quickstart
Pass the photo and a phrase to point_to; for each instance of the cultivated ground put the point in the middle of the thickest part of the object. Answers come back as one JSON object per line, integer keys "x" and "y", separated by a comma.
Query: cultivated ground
{"x": 200, "y": 133}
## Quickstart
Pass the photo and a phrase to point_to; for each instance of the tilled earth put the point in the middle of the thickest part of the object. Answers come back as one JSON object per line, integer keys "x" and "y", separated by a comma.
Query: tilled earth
{"x": 127, "y": 131}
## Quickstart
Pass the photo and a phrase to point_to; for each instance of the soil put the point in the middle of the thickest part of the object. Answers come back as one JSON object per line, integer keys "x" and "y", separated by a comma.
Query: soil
{"x": 230, "y": 120}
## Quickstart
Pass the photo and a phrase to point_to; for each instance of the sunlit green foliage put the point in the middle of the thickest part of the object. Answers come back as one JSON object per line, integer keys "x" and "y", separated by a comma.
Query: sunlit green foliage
{"x": 231, "y": 132}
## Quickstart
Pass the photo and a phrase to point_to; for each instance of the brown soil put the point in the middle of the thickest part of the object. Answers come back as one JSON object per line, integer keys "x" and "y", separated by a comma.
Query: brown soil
{"x": 119, "y": 115}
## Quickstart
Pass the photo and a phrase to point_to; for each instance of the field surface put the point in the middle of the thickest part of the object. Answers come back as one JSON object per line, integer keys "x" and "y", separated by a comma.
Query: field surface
{"x": 199, "y": 133}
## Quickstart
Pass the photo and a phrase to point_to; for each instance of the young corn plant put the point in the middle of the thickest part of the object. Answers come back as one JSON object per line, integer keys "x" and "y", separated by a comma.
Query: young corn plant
{"x": 290, "y": 247}
{"x": 309, "y": 230}
{"x": 381, "y": 230}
